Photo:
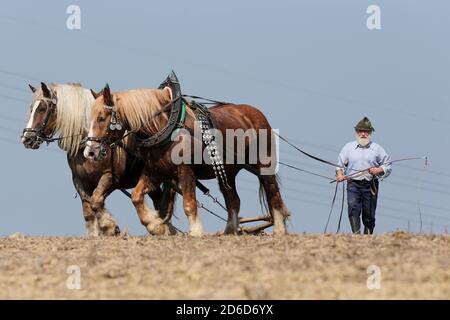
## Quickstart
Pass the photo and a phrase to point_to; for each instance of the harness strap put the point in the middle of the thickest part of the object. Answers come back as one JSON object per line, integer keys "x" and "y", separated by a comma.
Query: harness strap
{"x": 177, "y": 115}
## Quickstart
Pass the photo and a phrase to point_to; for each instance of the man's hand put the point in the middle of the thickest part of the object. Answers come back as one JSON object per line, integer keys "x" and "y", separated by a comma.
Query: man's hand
{"x": 340, "y": 177}
{"x": 376, "y": 171}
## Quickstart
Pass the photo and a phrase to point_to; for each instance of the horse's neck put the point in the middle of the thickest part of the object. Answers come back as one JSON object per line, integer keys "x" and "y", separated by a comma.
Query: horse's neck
{"x": 65, "y": 129}
{"x": 153, "y": 128}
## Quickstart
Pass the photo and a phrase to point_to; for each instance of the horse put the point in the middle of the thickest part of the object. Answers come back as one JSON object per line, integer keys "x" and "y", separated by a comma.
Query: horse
{"x": 64, "y": 109}
{"x": 142, "y": 112}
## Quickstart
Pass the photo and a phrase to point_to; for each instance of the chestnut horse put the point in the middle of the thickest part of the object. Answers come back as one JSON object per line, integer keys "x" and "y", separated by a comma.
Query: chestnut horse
{"x": 142, "y": 111}
{"x": 64, "y": 109}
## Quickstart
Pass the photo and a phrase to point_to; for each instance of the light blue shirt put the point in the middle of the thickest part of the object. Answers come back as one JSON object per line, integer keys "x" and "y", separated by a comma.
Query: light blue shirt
{"x": 354, "y": 157}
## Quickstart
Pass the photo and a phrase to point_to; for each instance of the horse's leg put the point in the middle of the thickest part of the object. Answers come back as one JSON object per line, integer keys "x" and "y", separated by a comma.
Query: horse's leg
{"x": 187, "y": 181}
{"x": 277, "y": 209}
{"x": 148, "y": 217}
{"x": 156, "y": 196}
{"x": 164, "y": 202}
{"x": 167, "y": 202}
{"x": 233, "y": 204}
{"x": 88, "y": 214}
{"x": 106, "y": 222}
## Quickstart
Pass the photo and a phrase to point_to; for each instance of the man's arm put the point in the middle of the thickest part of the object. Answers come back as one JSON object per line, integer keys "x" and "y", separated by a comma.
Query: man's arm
{"x": 385, "y": 166}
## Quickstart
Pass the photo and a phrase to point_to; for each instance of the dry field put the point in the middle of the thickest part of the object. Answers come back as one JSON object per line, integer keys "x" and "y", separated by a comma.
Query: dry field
{"x": 227, "y": 267}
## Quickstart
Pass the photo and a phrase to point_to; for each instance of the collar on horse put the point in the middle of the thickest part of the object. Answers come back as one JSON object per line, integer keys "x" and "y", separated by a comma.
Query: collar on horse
{"x": 176, "y": 118}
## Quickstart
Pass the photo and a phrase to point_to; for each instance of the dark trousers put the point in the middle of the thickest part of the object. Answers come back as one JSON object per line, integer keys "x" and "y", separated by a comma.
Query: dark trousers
{"x": 362, "y": 197}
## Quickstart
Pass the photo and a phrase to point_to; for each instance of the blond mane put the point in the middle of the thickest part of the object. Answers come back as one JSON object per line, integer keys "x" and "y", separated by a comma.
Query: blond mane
{"x": 73, "y": 110}
{"x": 138, "y": 108}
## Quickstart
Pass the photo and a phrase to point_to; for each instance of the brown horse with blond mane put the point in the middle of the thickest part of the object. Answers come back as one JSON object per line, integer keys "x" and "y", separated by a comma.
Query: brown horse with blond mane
{"x": 143, "y": 112}
{"x": 64, "y": 110}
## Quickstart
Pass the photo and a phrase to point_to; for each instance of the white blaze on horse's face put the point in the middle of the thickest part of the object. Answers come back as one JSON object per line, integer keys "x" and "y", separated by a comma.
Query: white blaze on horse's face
{"x": 31, "y": 119}
{"x": 33, "y": 111}
{"x": 98, "y": 129}
{"x": 28, "y": 138}
{"x": 91, "y": 151}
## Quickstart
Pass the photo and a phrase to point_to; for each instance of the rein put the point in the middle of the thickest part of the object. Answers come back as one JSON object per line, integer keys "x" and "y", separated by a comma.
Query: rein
{"x": 353, "y": 175}
{"x": 361, "y": 172}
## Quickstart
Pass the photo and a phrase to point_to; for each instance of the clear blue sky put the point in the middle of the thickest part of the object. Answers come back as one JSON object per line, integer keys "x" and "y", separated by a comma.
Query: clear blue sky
{"x": 312, "y": 67}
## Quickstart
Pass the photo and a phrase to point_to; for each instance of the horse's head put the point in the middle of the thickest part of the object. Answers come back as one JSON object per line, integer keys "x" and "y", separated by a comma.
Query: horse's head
{"x": 106, "y": 126}
{"x": 42, "y": 120}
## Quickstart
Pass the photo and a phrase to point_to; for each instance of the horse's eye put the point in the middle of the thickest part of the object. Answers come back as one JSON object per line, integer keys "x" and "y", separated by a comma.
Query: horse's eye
{"x": 100, "y": 119}
{"x": 42, "y": 109}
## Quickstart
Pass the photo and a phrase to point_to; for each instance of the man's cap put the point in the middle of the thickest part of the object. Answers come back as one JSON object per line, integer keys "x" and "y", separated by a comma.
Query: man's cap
{"x": 364, "y": 125}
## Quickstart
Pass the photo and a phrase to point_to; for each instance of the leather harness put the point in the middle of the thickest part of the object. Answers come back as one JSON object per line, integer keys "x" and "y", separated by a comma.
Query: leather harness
{"x": 176, "y": 118}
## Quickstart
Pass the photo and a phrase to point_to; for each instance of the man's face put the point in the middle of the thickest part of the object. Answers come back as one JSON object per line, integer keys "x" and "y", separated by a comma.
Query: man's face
{"x": 363, "y": 137}
{"x": 363, "y": 134}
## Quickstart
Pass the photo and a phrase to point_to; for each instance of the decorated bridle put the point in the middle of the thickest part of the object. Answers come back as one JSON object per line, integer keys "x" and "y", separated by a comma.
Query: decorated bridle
{"x": 39, "y": 133}
{"x": 176, "y": 119}
{"x": 105, "y": 142}
{"x": 115, "y": 124}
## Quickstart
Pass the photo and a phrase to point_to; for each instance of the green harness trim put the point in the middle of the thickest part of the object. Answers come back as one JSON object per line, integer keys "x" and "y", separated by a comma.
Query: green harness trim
{"x": 183, "y": 114}
{"x": 180, "y": 123}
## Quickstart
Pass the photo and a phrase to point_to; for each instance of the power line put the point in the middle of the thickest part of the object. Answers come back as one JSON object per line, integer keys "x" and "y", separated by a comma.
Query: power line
{"x": 315, "y": 194}
{"x": 9, "y": 130}
{"x": 378, "y": 214}
{"x": 19, "y": 75}
{"x": 392, "y": 182}
{"x": 404, "y": 166}
{"x": 271, "y": 82}
{"x": 10, "y": 141}
{"x": 283, "y": 151}
{"x": 442, "y": 172}
{"x": 8, "y": 86}
{"x": 13, "y": 98}
{"x": 11, "y": 118}
{"x": 21, "y": 100}
{"x": 323, "y": 186}
{"x": 287, "y": 152}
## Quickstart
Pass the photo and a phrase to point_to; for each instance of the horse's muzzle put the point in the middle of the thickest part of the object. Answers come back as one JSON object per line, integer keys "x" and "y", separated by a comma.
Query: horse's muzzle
{"x": 96, "y": 153}
{"x": 31, "y": 140}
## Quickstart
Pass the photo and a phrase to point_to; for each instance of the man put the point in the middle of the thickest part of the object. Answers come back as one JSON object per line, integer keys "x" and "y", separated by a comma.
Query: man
{"x": 364, "y": 162}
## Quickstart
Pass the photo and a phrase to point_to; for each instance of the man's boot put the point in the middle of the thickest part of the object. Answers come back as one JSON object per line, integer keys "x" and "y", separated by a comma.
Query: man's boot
{"x": 368, "y": 230}
{"x": 355, "y": 224}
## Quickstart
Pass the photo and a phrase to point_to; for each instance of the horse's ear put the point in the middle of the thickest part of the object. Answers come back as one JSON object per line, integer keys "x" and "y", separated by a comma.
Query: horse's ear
{"x": 46, "y": 90}
{"x": 95, "y": 94}
{"x": 168, "y": 92}
{"x": 107, "y": 96}
{"x": 32, "y": 88}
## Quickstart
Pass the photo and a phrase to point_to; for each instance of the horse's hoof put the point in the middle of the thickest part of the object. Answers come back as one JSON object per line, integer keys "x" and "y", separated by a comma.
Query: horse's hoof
{"x": 110, "y": 231}
{"x": 279, "y": 232}
{"x": 92, "y": 235}
{"x": 108, "y": 227}
{"x": 172, "y": 230}
{"x": 230, "y": 231}
{"x": 196, "y": 233}
{"x": 161, "y": 229}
